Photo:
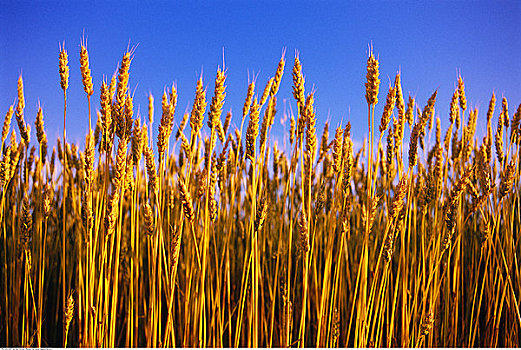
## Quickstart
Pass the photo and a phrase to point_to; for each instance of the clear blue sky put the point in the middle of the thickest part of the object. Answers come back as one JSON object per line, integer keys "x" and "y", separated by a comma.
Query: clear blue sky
{"x": 429, "y": 41}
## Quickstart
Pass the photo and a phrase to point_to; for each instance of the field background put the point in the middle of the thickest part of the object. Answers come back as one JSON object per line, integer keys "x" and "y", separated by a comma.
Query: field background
{"x": 267, "y": 174}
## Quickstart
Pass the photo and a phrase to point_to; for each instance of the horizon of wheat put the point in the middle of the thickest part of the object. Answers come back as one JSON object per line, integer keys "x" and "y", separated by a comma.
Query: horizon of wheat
{"x": 234, "y": 241}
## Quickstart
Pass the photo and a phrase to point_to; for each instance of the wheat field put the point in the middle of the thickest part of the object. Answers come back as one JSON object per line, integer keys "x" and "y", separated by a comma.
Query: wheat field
{"x": 215, "y": 236}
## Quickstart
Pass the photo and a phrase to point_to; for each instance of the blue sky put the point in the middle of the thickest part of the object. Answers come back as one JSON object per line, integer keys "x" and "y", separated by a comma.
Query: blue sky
{"x": 430, "y": 42}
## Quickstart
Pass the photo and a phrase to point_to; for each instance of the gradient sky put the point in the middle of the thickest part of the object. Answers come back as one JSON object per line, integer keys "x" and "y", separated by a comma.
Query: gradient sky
{"x": 430, "y": 42}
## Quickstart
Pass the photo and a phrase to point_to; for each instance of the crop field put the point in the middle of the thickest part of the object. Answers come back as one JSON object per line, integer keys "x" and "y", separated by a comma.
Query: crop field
{"x": 218, "y": 234}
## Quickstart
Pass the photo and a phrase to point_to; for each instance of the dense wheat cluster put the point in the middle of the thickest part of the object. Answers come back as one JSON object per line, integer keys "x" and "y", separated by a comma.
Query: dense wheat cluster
{"x": 230, "y": 239}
